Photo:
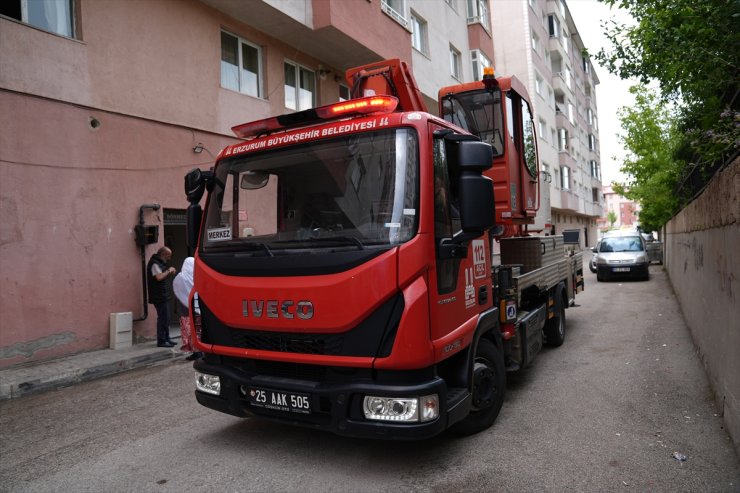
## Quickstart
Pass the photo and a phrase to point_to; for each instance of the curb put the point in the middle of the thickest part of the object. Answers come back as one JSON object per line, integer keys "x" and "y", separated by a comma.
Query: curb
{"x": 33, "y": 384}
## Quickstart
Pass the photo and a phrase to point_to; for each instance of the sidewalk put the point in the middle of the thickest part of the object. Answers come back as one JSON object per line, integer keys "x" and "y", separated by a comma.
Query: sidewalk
{"x": 63, "y": 372}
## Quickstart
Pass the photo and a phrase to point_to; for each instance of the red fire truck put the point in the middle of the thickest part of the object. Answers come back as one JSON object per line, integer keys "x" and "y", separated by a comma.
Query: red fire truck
{"x": 345, "y": 277}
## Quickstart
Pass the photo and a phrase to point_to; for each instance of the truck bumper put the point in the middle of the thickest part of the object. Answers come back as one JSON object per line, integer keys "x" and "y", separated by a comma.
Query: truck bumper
{"x": 335, "y": 406}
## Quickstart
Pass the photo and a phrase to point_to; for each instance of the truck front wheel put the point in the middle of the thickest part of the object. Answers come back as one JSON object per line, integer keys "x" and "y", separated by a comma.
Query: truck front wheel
{"x": 489, "y": 386}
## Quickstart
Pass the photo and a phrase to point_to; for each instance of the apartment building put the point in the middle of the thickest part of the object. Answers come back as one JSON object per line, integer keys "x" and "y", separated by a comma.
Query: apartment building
{"x": 538, "y": 42}
{"x": 105, "y": 105}
{"x": 626, "y": 212}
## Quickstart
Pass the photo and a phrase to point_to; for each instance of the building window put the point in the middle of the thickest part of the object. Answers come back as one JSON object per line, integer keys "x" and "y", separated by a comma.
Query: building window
{"x": 589, "y": 116}
{"x": 565, "y": 178}
{"x": 586, "y": 65}
{"x": 562, "y": 139}
{"x": 480, "y": 61}
{"x": 591, "y": 142}
{"x": 419, "y": 34}
{"x": 452, "y": 3}
{"x": 344, "y": 93}
{"x": 300, "y": 87}
{"x": 535, "y": 42}
{"x": 396, "y": 9}
{"x": 478, "y": 12}
{"x": 538, "y": 83}
{"x": 542, "y": 130}
{"x": 553, "y": 25}
{"x": 454, "y": 62}
{"x": 595, "y": 195}
{"x": 241, "y": 65}
{"x": 55, "y": 16}
{"x": 594, "y": 169}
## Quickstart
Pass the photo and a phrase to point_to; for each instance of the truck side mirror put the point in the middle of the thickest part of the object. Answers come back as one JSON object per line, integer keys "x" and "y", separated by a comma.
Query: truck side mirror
{"x": 475, "y": 191}
{"x": 195, "y": 185}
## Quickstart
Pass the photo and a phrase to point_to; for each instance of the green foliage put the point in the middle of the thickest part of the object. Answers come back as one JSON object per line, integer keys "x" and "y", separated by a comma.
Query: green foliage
{"x": 651, "y": 138}
{"x": 690, "y": 48}
{"x": 612, "y": 218}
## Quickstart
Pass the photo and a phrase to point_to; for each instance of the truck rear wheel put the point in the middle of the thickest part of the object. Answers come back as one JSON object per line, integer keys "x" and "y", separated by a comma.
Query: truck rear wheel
{"x": 555, "y": 327}
{"x": 489, "y": 386}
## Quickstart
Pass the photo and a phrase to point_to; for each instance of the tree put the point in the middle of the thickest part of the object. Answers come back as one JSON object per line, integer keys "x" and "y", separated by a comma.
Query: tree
{"x": 690, "y": 48}
{"x": 612, "y": 218}
{"x": 650, "y": 138}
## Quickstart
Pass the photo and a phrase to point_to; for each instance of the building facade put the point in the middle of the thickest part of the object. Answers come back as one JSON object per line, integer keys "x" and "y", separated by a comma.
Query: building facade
{"x": 104, "y": 106}
{"x": 545, "y": 51}
{"x": 626, "y": 212}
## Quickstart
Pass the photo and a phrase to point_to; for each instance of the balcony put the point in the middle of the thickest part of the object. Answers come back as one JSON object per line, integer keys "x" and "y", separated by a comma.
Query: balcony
{"x": 568, "y": 200}
{"x": 561, "y": 82}
{"x": 325, "y": 30}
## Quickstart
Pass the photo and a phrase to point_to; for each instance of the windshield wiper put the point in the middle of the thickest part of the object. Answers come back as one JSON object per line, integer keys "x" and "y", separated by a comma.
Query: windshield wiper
{"x": 337, "y": 239}
{"x": 255, "y": 245}
{"x": 346, "y": 239}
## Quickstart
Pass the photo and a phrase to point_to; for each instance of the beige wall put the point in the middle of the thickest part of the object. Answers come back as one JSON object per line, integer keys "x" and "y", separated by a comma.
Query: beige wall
{"x": 701, "y": 258}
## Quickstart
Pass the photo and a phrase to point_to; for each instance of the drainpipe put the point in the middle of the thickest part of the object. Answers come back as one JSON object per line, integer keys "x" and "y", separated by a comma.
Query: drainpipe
{"x": 154, "y": 207}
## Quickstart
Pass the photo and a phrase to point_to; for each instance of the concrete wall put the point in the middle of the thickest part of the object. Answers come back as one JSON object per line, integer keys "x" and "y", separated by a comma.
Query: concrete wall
{"x": 702, "y": 261}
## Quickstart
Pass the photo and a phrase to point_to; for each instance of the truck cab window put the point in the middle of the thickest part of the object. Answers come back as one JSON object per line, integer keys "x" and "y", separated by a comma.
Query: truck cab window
{"x": 528, "y": 140}
{"x": 446, "y": 216}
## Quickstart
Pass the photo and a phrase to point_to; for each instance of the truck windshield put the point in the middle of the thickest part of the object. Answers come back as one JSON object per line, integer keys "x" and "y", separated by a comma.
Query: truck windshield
{"x": 478, "y": 112}
{"x": 352, "y": 192}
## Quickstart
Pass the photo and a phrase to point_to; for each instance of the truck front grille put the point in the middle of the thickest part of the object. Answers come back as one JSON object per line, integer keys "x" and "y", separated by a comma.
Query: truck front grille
{"x": 329, "y": 344}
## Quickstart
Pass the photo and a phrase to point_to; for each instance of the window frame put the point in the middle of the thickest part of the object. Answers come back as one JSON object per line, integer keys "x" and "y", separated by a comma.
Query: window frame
{"x": 298, "y": 68}
{"x": 392, "y": 12}
{"x": 565, "y": 178}
{"x": 477, "y": 11}
{"x": 423, "y": 33}
{"x": 240, "y": 59}
{"x": 455, "y": 62}
{"x": 477, "y": 57}
{"x": 23, "y": 18}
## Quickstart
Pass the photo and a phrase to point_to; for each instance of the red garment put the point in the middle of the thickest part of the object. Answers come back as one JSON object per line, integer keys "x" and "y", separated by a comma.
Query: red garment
{"x": 185, "y": 332}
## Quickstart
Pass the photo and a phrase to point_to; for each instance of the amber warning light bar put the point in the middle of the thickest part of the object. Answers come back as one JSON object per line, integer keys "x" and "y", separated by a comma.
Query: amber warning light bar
{"x": 362, "y": 106}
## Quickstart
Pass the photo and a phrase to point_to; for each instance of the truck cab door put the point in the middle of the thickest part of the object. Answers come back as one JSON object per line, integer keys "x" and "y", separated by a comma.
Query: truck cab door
{"x": 459, "y": 287}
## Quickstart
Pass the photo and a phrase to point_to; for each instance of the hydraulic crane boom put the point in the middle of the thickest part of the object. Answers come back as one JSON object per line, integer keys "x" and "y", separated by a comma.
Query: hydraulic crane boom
{"x": 389, "y": 77}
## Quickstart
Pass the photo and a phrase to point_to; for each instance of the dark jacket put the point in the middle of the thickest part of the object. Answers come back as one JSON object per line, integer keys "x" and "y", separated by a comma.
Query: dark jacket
{"x": 159, "y": 291}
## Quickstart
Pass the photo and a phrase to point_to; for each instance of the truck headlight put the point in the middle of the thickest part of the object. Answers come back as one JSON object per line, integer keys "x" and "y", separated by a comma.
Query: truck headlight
{"x": 402, "y": 409}
{"x": 210, "y": 384}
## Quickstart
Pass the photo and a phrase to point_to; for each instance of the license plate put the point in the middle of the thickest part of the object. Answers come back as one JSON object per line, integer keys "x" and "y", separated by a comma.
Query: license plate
{"x": 621, "y": 269}
{"x": 278, "y": 400}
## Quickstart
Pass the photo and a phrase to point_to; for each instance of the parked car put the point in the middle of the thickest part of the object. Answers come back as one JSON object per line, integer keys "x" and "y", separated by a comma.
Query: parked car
{"x": 622, "y": 256}
{"x": 655, "y": 251}
{"x": 592, "y": 262}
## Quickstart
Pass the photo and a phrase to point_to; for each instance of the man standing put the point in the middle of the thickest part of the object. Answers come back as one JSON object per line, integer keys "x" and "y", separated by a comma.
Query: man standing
{"x": 160, "y": 292}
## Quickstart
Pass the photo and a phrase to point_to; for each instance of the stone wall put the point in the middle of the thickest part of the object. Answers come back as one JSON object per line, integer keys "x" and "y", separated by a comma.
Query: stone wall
{"x": 702, "y": 258}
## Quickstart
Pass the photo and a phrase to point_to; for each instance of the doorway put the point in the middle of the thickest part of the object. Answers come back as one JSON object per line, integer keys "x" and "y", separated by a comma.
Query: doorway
{"x": 175, "y": 239}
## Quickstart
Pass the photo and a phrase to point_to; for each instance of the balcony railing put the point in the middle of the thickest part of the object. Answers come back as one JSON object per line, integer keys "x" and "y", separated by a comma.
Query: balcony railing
{"x": 394, "y": 14}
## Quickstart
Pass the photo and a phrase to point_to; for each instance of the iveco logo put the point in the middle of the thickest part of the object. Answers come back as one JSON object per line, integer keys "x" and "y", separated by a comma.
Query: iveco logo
{"x": 277, "y": 308}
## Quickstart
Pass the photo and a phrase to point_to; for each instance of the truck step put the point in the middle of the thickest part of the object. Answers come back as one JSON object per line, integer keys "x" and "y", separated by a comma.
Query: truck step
{"x": 455, "y": 395}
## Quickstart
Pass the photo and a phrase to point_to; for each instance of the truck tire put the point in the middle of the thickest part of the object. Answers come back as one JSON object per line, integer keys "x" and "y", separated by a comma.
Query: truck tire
{"x": 555, "y": 327}
{"x": 489, "y": 387}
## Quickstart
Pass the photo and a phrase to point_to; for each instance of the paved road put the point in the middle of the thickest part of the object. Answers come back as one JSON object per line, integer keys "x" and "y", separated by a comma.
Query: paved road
{"x": 605, "y": 412}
